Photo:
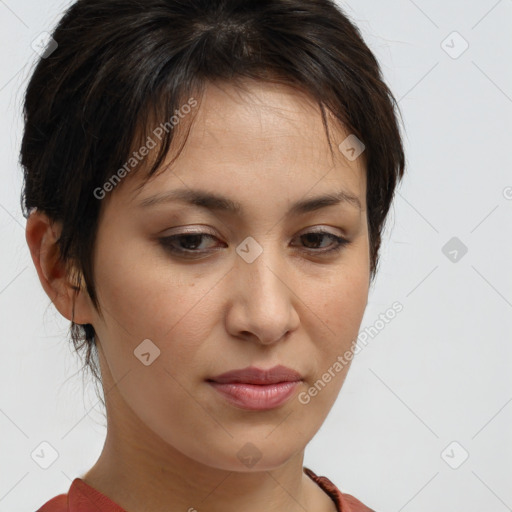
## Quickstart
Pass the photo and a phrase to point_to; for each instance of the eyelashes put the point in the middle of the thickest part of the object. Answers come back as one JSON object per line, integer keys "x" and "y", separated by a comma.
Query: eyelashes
{"x": 172, "y": 243}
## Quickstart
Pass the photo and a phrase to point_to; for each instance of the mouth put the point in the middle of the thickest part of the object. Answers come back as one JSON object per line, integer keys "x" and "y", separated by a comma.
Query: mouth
{"x": 255, "y": 389}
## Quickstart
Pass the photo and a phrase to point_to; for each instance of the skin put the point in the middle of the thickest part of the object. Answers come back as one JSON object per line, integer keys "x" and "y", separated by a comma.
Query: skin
{"x": 172, "y": 440}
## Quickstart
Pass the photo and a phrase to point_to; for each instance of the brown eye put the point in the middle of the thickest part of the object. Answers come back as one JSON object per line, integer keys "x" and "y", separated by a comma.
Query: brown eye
{"x": 315, "y": 238}
{"x": 185, "y": 243}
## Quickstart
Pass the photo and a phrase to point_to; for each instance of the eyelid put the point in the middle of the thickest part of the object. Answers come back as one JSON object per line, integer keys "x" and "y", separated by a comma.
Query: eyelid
{"x": 319, "y": 229}
{"x": 199, "y": 229}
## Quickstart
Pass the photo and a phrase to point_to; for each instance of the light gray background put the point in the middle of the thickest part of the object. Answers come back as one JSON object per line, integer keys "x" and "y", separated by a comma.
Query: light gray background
{"x": 438, "y": 372}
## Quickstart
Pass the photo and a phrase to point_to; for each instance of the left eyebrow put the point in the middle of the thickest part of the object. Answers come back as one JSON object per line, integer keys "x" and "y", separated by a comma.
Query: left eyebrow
{"x": 216, "y": 202}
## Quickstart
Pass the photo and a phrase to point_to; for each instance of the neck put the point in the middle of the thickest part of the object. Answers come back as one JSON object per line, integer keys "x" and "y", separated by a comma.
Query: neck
{"x": 143, "y": 472}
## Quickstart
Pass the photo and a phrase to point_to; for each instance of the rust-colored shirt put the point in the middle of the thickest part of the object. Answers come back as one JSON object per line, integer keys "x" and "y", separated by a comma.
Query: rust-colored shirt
{"x": 81, "y": 497}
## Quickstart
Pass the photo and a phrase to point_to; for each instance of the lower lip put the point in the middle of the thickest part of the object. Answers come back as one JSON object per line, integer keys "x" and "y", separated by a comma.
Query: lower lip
{"x": 256, "y": 397}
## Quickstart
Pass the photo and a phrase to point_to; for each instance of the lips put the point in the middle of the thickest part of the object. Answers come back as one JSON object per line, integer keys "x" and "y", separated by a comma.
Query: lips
{"x": 255, "y": 389}
{"x": 253, "y": 375}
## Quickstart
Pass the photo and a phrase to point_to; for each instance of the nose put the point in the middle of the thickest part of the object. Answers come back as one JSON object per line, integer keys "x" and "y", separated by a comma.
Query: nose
{"x": 263, "y": 304}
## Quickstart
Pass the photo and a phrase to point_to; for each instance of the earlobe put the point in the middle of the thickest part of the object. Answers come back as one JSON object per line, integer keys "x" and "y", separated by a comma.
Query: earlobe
{"x": 42, "y": 235}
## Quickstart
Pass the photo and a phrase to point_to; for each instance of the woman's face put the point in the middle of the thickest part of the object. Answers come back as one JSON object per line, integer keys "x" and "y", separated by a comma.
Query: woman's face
{"x": 259, "y": 288}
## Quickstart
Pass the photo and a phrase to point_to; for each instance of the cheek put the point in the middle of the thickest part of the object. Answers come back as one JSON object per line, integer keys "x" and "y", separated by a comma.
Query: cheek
{"x": 344, "y": 305}
{"x": 147, "y": 299}
{"x": 335, "y": 332}
{"x": 339, "y": 309}
{"x": 144, "y": 301}
{"x": 341, "y": 301}
{"x": 141, "y": 294}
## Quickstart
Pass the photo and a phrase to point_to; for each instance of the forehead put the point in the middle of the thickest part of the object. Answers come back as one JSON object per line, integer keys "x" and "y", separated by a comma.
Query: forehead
{"x": 266, "y": 138}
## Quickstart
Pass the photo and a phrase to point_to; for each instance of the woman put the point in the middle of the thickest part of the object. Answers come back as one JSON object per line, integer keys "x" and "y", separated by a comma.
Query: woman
{"x": 218, "y": 283}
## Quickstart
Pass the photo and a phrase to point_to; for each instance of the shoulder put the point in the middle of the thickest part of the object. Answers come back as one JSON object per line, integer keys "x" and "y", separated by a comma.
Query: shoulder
{"x": 57, "y": 504}
{"x": 344, "y": 502}
{"x": 81, "y": 497}
{"x": 351, "y": 504}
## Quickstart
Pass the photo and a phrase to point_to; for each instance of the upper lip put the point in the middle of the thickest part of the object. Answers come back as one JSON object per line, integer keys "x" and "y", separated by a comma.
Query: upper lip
{"x": 253, "y": 375}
